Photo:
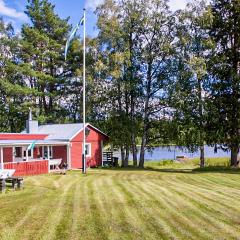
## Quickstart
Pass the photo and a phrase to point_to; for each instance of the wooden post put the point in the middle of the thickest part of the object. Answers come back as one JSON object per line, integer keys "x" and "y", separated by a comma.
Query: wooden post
{"x": 26, "y": 154}
{"x": 2, "y": 185}
{"x": 69, "y": 156}
{"x": 48, "y": 153}
{"x": 102, "y": 151}
{"x": 2, "y": 164}
{"x": 48, "y": 158}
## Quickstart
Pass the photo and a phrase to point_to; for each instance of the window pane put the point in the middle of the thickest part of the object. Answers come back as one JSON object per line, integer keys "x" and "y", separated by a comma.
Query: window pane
{"x": 50, "y": 151}
{"x": 88, "y": 149}
{"x": 45, "y": 153}
{"x": 18, "y": 152}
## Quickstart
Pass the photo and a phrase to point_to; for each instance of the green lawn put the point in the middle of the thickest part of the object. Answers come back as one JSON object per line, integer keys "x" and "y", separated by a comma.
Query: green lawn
{"x": 163, "y": 202}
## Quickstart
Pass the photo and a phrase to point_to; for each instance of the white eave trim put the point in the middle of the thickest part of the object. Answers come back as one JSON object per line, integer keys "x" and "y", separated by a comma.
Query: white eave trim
{"x": 27, "y": 144}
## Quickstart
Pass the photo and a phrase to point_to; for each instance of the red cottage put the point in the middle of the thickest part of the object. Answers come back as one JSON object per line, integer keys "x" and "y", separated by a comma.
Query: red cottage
{"x": 39, "y": 148}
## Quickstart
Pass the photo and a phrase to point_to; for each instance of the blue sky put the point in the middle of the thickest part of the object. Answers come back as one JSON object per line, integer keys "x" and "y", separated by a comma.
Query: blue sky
{"x": 13, "y": 11}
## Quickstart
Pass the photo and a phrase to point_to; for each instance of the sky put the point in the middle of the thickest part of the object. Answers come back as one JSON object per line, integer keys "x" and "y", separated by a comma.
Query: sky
{"x": 13, "y": 11}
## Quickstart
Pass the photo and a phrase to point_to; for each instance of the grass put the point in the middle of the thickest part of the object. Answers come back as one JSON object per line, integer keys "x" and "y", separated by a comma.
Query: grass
{"x": 165, "y": 201}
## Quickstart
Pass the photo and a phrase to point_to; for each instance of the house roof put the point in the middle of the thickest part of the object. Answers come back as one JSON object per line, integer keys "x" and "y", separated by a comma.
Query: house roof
{"x": 60, "y": 131}
{"x": 63, "y": 132}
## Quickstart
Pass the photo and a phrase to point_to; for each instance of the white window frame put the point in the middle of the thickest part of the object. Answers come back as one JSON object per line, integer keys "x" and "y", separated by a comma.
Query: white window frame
{"x": 25, "y": 149}
{"x": 90, "y": 149}
{"x": 50, "y": 151}
{"x": 14, "y": 151}
{"x": 17, "y": 159}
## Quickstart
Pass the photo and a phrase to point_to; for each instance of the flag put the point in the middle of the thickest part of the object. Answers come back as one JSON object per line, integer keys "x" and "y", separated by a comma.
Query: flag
{"x": 72, "y": 35}
{"x": 82, "y": 21}
{"x": 31, "y": 146}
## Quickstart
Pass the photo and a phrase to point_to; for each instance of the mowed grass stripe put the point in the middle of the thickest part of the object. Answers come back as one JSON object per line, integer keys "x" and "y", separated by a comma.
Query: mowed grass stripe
{"x": 48, "y": 230}
{"x": 206, "y": 182}
{"x": 138, "y": 222}
{"x": 201, "y": 209}
{"x": 75, "y": 210}
{"x": 179, "y": 205}
{"x": 22, "y": 207}
{"x": 81, "y": 204}
{"x": 155, "y": 219}
{"x": 120, "y": 219}
{"x": 211, "y": 197}
{"x": 188, "y": 209}
{"x": 159, "y": 209}
{"x": 182, "y": 225}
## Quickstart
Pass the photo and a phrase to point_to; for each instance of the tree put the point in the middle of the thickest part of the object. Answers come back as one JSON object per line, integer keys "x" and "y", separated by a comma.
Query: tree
{"x": 225, "y": 75}
{"x": 154, "y": 58}
{"x": 13, "y": 90}
{"x": 42, "y": 63}
{"x": 117, "y": 46}
{"x": 190, "y": 90}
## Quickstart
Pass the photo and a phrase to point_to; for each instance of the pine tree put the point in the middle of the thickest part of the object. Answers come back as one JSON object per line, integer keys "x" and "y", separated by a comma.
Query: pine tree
{"x": 42, "y": 61}
{"x": 14, "y": 92}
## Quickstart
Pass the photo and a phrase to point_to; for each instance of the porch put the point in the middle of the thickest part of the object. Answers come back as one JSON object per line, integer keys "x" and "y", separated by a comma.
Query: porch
{"x": 33, "y": 157}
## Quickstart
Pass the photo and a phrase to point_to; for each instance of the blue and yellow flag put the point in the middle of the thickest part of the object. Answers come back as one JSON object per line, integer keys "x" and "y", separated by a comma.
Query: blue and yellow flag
{"x": 72, "y": 35}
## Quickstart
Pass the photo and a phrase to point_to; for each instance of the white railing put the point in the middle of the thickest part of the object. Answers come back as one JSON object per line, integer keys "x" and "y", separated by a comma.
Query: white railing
{"x": 55, "y": 162}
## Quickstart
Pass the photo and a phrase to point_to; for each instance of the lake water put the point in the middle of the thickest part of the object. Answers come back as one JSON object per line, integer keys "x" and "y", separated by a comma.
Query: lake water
{"x": 161, "y": 153}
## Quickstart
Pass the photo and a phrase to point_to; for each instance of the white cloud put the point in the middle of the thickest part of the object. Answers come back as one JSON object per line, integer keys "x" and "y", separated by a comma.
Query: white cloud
{"x": 174, "y": 4}
{"x": 11, "y": 12}
{"x": 177, "y": 4}
{"x": 92, "y": 4}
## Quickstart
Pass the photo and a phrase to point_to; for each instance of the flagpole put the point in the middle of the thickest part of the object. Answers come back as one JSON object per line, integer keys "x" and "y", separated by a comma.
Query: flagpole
{"x": 84, "y": 92}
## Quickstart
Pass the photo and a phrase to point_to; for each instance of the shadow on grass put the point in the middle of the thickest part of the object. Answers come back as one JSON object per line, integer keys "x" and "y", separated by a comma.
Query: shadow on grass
{"x": 208, "y": 169}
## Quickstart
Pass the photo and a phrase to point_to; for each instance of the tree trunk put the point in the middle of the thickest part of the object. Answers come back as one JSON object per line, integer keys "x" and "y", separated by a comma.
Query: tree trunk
{"x": 132, "y": 100}
{"x": 202, "y": 157}
{"x": 122, "y": 156}
{"x": 146, "y": 115}
{"x": 142, "y": 149}
{"x": 133, "y": 136}
{"x": 200, "y": 102}
{"x": 134, "y": 151}
{"x": 125, "y": 161}
{"x": 234, "y": 156}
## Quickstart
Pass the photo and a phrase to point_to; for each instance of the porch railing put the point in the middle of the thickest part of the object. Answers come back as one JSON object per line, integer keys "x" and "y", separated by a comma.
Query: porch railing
{"x": 109, "y": 159}
{"x": 34, "y": 167}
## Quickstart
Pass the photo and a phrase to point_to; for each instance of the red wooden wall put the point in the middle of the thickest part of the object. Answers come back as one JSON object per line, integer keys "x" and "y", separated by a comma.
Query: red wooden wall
{"x": 95, "y": 139}
{"x": 37, "y": 152}
{"x": 60, "y": 152}
{"x": 28, "y": 168}
{"x": 7, "y": 154}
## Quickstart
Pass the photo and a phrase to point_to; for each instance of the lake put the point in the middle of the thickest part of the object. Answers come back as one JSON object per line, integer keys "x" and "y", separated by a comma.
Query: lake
{"x": 163, "y": 152}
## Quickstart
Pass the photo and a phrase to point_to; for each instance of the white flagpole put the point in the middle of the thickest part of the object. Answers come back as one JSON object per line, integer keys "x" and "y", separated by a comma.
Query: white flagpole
{"x": 84, "y": 93}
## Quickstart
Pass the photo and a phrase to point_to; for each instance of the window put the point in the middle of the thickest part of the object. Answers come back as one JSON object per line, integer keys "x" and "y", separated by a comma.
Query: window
{"x": 88, "y": 149}
{"x": 45, "y": 152}
{"x": 30, "y": 153}
{"x": 17, "y": 152}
